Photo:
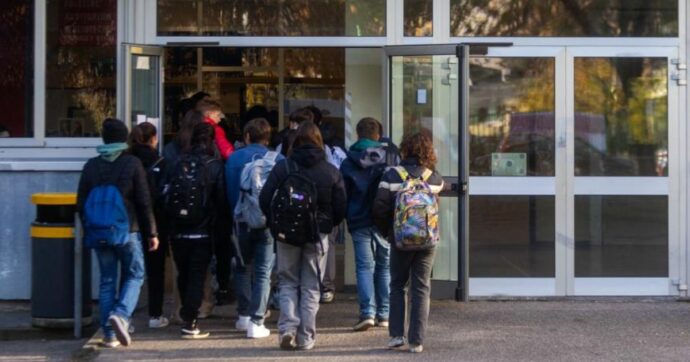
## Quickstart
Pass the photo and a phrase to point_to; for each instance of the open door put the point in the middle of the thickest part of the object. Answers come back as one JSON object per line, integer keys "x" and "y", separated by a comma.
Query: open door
{"x": 144, "y": 86}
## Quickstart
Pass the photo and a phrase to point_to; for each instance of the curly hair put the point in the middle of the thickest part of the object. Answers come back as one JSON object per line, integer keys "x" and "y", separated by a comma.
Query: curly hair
{"x": 419, "y": 145}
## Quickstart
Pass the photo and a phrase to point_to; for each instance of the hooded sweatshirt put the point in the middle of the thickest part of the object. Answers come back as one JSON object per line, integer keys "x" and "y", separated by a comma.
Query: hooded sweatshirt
{"x": 311, "y": 162}
{"x": 362, "y": 170}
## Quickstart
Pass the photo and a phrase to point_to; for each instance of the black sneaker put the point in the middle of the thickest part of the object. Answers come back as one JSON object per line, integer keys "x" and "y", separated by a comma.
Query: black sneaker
{"x": 364, "y": 324}
{"x": 191, "y": 331}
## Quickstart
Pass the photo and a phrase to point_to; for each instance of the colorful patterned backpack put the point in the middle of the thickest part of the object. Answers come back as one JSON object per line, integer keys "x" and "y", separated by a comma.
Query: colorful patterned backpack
{"x": 415, "y": 222}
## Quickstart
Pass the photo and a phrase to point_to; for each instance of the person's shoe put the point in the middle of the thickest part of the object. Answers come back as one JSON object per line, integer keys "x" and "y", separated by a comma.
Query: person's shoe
{"x": 307, "y": 347}
{"x": 327, "y": 297}
{"x": 257, "y": 331}
{"x": 287, "y": 341}
{"x": 160, "y": 322}
{"x": 191, "y": 331}
{"x": 242, "y": 323}
{"x": 110, "y": 342}
{"x": 416, "y": 348}
{"x": 396, "y": 342}
{"x": 382, "y": 322}
{"x": 364, "y": 324}
{"x": 121, "y": 329}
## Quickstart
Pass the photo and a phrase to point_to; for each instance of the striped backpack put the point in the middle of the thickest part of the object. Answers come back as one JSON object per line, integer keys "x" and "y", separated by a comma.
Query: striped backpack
{"x": 415, "y": 223}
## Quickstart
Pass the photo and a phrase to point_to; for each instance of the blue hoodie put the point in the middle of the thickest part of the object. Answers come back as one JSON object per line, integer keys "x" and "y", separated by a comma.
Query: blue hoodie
{"x": 362, "y": 170}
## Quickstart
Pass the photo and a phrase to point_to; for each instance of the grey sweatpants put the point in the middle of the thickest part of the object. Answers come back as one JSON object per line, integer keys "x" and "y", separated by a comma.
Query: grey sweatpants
{"x": 299, "y": 270}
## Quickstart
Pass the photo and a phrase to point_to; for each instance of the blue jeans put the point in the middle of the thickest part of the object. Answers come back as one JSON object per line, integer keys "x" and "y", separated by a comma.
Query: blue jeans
{"x": 256, "y": 246}
{"x": 372, "y": 260}
{"x": 130, "y": 258}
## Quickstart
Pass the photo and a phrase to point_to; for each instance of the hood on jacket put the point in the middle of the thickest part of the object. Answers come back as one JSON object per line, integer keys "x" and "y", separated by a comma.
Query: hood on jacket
{"x": 308, "y": 155}
{"x": 366, "y": 153}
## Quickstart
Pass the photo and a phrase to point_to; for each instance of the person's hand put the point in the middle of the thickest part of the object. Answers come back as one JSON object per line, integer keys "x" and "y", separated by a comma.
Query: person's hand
{"x": 153, "y": 243}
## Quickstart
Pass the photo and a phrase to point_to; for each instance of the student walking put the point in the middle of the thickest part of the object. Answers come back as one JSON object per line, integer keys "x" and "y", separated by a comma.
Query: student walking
{"x": 304, "y": 197}
{"x": 246, "y": 172}
{"x": 143, "y": 144}
{"x": 213, "y": 115}
{"x": 406, "y": 210}
{"x": 115, "y": 205}
{"x": 194, "y": 202}
{"x": 366, "y": 162}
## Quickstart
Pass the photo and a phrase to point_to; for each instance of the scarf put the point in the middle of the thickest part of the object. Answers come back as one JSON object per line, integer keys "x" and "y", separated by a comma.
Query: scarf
{"x": 111, "y": 151}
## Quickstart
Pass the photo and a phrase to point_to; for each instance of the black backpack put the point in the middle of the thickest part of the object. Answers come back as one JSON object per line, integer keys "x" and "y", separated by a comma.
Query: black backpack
{"x": 186, "y": 198}
{"x": 294, "y": 209}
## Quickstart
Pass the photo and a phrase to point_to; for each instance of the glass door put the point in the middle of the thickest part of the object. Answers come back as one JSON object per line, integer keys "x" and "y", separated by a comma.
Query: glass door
{"x": 143, "y": 86}
{"x": 623, "y": 161}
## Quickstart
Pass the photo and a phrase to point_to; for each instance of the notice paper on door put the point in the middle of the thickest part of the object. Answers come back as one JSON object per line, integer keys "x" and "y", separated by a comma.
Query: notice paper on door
{"x": 141, "y": 118}
{"x": 143, "y": 63}
{"x": 153, "y": 121}
{"x": 421, "y": 96}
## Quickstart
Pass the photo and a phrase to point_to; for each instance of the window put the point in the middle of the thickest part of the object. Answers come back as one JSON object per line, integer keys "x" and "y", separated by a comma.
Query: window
{"x": 272, "y": 18}
{"x": 80, "y": 66}
{"x": 16, "y": 68}
{"x": 419, "y": 17}
{"x": 596, "y": 18}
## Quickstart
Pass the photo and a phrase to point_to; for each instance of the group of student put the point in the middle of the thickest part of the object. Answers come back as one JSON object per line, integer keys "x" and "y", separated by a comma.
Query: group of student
{"x": 260, "y": 210}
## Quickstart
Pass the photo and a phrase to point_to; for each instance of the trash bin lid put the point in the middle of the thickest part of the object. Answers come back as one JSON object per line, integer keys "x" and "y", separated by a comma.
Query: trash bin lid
{"x": 54, "y": 198}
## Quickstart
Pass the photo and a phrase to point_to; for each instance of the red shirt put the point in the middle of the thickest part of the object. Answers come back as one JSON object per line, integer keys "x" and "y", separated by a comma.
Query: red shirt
{"x": 224, "y": 146}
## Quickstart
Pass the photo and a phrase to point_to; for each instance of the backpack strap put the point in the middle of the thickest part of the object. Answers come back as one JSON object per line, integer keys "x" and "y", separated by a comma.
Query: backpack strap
{"x": 271, "y": 156}
{"x": 427, "y": 174}
{"x": 402, "y": 172}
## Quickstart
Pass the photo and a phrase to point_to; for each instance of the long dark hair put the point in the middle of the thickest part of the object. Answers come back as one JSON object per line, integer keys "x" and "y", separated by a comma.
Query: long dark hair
{"x": 184, "y": 135}
{"x": 142, "y": 134}
{"x": 203, "y": 137}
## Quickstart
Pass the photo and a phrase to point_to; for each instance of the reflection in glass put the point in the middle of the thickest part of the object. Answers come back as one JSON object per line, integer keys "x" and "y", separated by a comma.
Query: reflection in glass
{"x": 419, "y": 17}
{"x": 621, "y": 117}
{"x": 621, "y": 236}
{"x": 80, "y": 66}
{"x": 144, "y": 98}
{"x": 512, "y": 117}
{"x": 16, "y": 68}
{"x": 512, "y": 236}
{"x": 272, "y": 18}
{"x": 424, "y": 95}
{"x": 596, "y": 18}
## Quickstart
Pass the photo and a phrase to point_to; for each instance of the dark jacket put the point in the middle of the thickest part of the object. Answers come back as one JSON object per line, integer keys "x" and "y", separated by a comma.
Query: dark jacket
{"x": 384, "y": 203}
{"x": 155, "y": 167}
{"x": 132, "y": 184}
{"x": 217, "y": 202}
{"x": 312, "y": 163}
{"x": 362, "y": 172}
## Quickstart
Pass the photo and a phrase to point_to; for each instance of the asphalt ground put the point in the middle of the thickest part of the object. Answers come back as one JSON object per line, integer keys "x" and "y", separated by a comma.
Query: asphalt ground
{"x": 609, "y": 329}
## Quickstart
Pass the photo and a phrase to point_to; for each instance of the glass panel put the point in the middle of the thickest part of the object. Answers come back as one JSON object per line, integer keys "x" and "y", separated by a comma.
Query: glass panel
{"x": 424, "y": 95}
{"x": 597, "y": 18}
{"x": 272, "y": 18}
{"x": 512, "y": 236}
{"x": 621, "y": 117}
{"x": 16, "y": 68}
{"x": 419, "y": 17}
{"x": 512, "y": 119}
{"x": 145, "y": 91}
{"x": 80, "y": 66}
{"x": 621, "y": 236}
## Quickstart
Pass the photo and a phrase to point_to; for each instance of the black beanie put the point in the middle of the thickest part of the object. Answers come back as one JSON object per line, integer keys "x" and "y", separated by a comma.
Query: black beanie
{"x": 114, "y": 131}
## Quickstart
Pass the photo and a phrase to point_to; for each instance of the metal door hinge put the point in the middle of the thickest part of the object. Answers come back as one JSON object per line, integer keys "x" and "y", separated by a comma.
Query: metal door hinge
{"x": 679, "y": 64}
{"x": 680, "y": 79}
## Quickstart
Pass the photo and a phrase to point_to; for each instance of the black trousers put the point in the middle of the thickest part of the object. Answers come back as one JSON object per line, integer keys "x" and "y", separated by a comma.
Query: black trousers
{"x": 192, "y": 257}
{"x": 155, "y": 274}
{"x": 411, "y": 268}
{"x": 223, "y": 253}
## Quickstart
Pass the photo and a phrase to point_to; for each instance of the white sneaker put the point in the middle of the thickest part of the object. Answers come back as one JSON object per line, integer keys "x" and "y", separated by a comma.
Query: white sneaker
{"x": 160, "y": 322}
{"x": 257, "y": 331}
{"x": 242, "y": 323}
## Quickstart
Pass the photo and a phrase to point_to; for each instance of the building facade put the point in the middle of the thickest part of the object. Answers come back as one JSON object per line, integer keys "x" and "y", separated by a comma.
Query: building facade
{"x": 578, "y": 159}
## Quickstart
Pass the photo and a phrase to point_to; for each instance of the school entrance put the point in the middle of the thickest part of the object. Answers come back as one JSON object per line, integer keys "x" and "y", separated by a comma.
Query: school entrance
{"x": 569, "y": 154}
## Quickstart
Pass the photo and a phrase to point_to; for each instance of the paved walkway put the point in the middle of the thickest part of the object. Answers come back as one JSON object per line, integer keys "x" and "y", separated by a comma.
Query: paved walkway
{"x": 574, "y": 330}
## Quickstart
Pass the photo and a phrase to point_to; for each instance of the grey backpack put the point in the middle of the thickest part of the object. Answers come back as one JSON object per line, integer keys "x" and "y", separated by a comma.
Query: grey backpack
{"x": 252, "y": 180}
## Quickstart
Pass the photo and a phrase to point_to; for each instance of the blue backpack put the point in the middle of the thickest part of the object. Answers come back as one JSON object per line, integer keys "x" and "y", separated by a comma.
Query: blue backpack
{"x": 106, "y": 222}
